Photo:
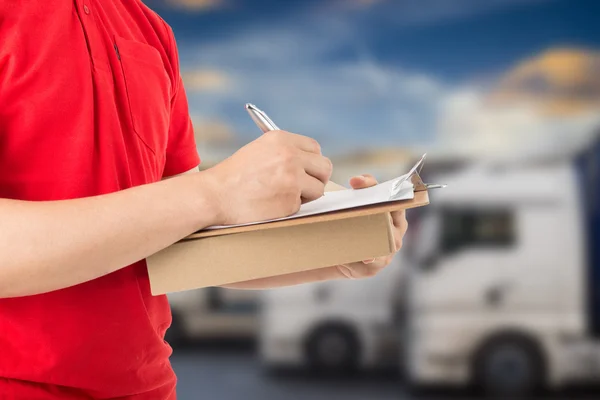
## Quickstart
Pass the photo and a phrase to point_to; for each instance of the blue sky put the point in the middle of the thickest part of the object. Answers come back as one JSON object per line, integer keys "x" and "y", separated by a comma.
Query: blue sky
{"x": 459, "y": 39}
{"x": 350, "y": 72}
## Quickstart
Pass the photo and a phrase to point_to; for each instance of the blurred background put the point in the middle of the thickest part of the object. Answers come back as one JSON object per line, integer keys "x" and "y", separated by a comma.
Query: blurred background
{"x": 498, "y": 281}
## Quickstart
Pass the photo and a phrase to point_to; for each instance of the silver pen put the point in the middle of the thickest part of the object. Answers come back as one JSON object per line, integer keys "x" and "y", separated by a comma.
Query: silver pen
{"x": 261, "y": 119}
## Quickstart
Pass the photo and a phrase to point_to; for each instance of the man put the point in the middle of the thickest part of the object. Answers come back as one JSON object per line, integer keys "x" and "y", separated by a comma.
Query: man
{"x": 93, "y": 118}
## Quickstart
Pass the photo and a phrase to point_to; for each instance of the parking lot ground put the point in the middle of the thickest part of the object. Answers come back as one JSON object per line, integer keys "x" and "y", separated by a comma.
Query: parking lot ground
{"x": 231, "y": 372}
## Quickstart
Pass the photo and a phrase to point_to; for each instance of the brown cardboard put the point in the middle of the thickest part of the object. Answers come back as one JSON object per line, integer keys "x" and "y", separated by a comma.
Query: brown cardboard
{"x": 219, "y": 257}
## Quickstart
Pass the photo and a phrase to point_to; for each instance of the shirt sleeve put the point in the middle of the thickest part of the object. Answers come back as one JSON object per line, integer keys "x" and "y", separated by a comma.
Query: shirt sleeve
{"x": 182, "y": 153}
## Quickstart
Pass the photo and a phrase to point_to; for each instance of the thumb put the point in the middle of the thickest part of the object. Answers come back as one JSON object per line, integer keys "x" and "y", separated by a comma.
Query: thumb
{"x": 363, "y": 181}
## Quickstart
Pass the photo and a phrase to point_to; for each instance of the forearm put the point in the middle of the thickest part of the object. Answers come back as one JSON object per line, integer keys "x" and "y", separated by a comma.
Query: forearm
{"x": 46, "y": 246}
{"x": 296, "y": 278}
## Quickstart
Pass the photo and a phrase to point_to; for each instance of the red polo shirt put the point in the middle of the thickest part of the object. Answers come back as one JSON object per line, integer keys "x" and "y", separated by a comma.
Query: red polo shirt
{"x": 91, "y": 102}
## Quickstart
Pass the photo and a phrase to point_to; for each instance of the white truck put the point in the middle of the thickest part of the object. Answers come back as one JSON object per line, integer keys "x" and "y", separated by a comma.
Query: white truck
{"x": 335, "y": 326}
{"x": 504, "y": 286}
{"x": 340, "y": 326}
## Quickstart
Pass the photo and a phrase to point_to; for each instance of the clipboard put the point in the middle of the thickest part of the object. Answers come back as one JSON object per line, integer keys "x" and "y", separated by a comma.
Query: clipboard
{"x": 242, "y": 253}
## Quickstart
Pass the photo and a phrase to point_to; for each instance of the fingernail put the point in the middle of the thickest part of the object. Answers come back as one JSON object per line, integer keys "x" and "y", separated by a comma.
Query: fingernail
{"x": 360, "y": 178}
{"x": 371, "y": 261}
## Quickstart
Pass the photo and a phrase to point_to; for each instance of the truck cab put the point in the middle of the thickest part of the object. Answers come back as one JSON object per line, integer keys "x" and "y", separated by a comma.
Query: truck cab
{"x": 497, "y": 293}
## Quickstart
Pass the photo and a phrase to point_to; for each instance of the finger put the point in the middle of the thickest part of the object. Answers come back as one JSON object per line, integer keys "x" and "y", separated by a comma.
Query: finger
{"x": 312, "y": 188}
{"x": 379, "y": 262}
{"x": 359, "y": 270}
{"x": 317, "y": 166}
{"x": 400, "y": 227}
{"x": 301, "y": 142}
{"x": 363, "y": 181}
{"x": 398, "y": 238}
{"x": 399, "y": 218}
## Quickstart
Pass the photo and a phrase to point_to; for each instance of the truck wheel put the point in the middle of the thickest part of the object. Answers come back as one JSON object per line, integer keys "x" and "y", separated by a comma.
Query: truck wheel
{"x": 509, "y": 367}
{"x": 333, "y": 349}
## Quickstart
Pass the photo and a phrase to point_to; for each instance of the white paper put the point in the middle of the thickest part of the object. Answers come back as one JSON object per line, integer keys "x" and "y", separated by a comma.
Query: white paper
{"x": 346, "y": 199}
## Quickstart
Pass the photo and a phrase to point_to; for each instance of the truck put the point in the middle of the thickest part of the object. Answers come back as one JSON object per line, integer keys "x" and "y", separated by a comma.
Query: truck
{"x": 339, "y": 327}
{"x": 335, "y": 327}
{"x": 504, "y": 277}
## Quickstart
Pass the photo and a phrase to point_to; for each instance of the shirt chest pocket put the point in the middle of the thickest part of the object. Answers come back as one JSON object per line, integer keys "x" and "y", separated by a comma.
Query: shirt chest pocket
{"x": 147, "y": 89}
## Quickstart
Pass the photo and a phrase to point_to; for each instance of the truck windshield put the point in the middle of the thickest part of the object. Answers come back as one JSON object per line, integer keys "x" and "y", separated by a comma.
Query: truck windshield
{"x": 463, "y": 228}
{"x": 449, "y": 230}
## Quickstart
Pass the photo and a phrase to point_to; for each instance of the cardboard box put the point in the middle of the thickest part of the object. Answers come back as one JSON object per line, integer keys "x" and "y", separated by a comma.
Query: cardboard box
{"x": 219, "y": 257}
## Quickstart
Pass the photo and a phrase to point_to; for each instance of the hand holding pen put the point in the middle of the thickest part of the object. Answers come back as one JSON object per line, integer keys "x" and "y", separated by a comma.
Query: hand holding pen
{"x": 270, "y": 177}
{"x": 355, "y": 270}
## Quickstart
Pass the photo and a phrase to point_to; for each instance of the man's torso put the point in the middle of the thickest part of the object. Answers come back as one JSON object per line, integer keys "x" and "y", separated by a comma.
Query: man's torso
{"x": 85, "y": 106}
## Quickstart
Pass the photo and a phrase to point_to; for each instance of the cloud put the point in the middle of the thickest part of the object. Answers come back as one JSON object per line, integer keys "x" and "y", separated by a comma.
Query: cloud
{"x": 216, "y": 139}
{"x": 361, "y": 105}
{"x": 196, "y": 5}
{"x": 355, "y": 103}
{"x": 213, "y": 132}
{"x": 283, "y": 70}
{"x": 470, "y": 124}
{"x": 547, "y": 103}
{"x": 340, "y": 106}
{"x": 561, "y": 81}
{"x": 206, "y": 80}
